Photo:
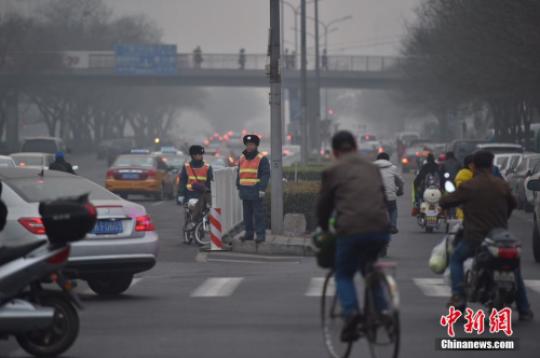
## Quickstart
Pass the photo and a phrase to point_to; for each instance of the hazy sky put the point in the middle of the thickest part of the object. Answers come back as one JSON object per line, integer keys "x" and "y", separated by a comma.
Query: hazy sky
{"x": 227, "y": 25}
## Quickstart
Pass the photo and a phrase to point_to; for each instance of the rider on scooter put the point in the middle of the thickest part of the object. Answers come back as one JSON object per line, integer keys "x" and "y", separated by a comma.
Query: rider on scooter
{"x": 487, "y": 202}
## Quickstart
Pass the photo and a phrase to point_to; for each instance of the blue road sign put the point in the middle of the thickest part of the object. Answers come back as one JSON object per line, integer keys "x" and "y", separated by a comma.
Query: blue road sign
{"x": 145, "y": 59}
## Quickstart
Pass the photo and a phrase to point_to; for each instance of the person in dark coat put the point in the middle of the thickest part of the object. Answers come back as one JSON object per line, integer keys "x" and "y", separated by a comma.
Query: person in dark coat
{"x": 252, "y": 180}
{"x": 60, "y": 164}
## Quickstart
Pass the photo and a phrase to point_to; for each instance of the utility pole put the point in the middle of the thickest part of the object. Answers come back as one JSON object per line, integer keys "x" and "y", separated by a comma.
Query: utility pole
{"x": 304, "y": 153}
{"x": 317, "y": 125}
{"x": 276, "y": 136}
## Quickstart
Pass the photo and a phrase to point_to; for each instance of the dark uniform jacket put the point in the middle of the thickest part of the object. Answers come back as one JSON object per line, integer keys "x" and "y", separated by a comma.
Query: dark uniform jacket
{"x": 263, "y": 174}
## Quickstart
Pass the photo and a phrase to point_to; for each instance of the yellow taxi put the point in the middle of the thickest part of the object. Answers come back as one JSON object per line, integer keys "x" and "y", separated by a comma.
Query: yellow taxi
{"x": 141, "y": 173}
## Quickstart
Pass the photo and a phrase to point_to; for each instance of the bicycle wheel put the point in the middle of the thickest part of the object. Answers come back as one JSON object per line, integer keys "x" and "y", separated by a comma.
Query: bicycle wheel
{"x": 332, "y": 321}
{"x": 382, "y": 328}
{"x": 202, "y": 232}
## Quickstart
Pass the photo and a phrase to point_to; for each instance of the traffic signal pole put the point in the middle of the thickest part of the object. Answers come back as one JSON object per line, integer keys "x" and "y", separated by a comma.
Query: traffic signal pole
{"x": 276, "y": 135}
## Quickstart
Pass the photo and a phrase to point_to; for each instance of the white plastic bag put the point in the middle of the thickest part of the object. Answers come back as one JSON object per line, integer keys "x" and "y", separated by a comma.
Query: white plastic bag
{"x": 438, "y": 261}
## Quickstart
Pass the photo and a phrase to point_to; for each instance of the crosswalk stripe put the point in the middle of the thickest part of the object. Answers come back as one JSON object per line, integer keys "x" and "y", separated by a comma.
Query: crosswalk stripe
{"x": 316, "y": 286}
{"x": 217, "y": 287}
{"x": 533, "y": 285}
{"x": 433, "y": 287}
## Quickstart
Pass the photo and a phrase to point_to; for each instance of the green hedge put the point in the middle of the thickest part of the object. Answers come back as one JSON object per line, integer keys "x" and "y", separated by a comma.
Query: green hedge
{"x": 304, "y": 173}
{"x": 299, "y": 198}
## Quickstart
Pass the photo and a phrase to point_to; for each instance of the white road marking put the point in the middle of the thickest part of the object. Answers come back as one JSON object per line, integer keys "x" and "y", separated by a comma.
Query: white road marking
{"x": 237, "y": 261}
{"x": 157, "y": 203}
{"x": 315, "y": 287}
{"x": 217, "y": 287}
{"x": 433, "y": 287}
{"x": 533, "y": 285}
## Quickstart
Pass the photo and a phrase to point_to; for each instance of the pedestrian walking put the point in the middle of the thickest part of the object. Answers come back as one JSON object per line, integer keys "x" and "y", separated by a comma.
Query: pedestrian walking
{"x": 197, "y": 57}
{"x": 242, "y": 59}
{"x": 393, "y": 187}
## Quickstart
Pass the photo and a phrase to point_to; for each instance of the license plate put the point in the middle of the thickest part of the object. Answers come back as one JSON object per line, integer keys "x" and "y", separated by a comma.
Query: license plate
{"x": 108, "y": 227}
{"x": 130, "y": 176}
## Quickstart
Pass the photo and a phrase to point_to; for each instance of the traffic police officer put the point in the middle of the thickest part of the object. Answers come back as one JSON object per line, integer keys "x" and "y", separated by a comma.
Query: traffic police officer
{"x": 194, "y": 181}
{"x": 252, "y": 180}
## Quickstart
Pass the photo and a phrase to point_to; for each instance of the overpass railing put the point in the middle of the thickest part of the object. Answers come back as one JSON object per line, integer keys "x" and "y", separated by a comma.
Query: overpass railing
{"x": 347, "y": 63}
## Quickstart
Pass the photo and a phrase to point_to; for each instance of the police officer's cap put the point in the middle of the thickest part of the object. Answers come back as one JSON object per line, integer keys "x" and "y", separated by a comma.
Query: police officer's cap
{"x": 252, "y": 138}
{"x": 196, "y": 149}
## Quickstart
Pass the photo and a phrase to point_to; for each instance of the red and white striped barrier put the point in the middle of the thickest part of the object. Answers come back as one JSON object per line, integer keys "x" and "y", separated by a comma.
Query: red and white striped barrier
{"x": 216, "y": 243}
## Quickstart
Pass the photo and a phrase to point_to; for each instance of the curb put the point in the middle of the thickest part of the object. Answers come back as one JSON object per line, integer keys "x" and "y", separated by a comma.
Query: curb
{"x": 274, "y": 245}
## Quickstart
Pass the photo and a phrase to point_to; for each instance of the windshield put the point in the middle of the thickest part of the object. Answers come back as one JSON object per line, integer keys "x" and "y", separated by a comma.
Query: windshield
{"x": 38, "y": 189}
{"x": 146, "y": 161}
{"x": 32, "y": 160}
{"x": 174, "y": 160}
{"x": 40, "y": 146}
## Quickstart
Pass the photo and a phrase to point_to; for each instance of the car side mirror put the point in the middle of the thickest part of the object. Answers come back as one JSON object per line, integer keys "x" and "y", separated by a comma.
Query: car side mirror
{"x": 533, "y": 185}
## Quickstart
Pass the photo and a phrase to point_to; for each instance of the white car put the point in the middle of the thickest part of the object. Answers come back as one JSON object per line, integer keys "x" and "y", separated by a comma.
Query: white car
{"x": 123, "y": 242}
{"x": 33, "y": 160}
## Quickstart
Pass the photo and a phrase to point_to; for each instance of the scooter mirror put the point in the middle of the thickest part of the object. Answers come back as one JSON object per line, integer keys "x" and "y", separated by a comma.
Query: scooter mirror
{"x": 449, "y": 187}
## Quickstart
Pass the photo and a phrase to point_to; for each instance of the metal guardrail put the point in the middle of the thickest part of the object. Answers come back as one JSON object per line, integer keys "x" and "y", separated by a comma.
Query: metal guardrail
{"x": 225, "y": 196}
{"x": 258, "y": 62}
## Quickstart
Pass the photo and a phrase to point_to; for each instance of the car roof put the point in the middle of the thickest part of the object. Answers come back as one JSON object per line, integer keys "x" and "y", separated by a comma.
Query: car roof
{"x": 507, "y": 145}
{"x": 23, "y": 173}
{"x": 32, "y": 154}
{"x": 44, "y": 138}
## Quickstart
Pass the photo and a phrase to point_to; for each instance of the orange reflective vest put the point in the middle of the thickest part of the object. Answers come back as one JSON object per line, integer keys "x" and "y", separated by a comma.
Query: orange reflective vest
{"x": 196, "y": 175}
{"x": 249, "y": 170}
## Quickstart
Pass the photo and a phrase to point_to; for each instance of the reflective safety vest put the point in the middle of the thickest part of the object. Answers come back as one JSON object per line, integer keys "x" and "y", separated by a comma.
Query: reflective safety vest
{"x": 249, "y": 170}
{"x": 196, "y": 175}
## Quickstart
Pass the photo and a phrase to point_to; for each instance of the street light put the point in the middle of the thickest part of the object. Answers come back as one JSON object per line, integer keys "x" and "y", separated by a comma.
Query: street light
{"x": 327, "y": 25}
{"x": 296, "y": 10}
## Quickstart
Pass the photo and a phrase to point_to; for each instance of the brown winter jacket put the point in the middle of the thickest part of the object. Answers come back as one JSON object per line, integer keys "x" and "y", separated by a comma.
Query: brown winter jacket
{"x": 354, "y": 188}
{"x": 487, "y": 203}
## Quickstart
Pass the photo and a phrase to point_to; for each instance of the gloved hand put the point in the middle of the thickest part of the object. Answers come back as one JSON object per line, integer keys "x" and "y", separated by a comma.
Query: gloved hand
{"x": 262, "y": 194}
{"x": 180, "y": 200}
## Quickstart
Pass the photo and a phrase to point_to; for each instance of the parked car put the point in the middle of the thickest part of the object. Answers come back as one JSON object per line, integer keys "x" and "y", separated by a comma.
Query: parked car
{"x": 7, "y": 162}
{"x": 507, "y": 162}
{"x": 529, "y": 165}
{"x": 49, "y": 145}
{"x": 139, "y": 173}
{"x": 33, "y": 160}
{"x": 123, "y": 242}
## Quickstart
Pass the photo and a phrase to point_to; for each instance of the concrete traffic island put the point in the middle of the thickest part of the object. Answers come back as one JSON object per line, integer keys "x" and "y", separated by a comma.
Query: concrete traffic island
{"x": 274, "y": 245}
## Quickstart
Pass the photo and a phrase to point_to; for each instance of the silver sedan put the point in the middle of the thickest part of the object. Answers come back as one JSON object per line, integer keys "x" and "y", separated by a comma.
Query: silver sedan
{"x": 123, "y": 242}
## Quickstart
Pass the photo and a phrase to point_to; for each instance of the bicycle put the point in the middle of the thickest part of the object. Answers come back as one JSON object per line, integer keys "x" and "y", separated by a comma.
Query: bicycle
{"x": 375, "y": 327}
{"x": 198, "y": 231}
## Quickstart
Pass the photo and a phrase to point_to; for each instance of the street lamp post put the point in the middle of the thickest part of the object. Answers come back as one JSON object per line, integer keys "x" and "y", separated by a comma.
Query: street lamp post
{"x": 303, "y": 87}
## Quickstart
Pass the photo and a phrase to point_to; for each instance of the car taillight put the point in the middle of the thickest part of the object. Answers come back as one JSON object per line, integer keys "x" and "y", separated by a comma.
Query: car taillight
{"x": 60, "y": 257}
{"x": 144, "y": 223}
{"x": 110, "y": 174}
{"x": 508, "y": 252}
{"x": 34, "y": 225}
{"x": 151, "y": 173}
{"x": 381, "y": 150}
{"x": 405, "y": 161}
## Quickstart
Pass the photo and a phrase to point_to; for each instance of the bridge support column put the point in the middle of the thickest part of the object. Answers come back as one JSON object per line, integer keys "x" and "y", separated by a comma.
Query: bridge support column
{"x": 12, "y": 122}
{"x": 314, "y": 120}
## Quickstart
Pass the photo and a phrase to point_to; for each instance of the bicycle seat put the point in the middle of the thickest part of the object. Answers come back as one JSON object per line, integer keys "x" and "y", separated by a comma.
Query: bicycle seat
{"x": 12, "y": 252}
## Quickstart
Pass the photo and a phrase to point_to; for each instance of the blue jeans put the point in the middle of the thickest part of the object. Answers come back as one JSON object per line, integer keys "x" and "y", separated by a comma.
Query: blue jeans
{"x": 462, "y": 252}
{"x": 392, "y": 212}
{"x": 254, "y": 218}
{"x": 352, "y": 254}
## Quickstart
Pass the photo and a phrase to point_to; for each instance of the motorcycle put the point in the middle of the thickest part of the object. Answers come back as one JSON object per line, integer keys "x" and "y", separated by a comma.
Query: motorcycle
{"x": 44, "y": 322}
{"x": 430, "y": 216}
{"x": 196, "y": 230}
{"x": 490, "y": 274}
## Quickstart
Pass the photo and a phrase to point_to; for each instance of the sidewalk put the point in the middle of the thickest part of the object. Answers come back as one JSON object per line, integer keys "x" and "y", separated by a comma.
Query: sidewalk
{"x": 274, "y": 245}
